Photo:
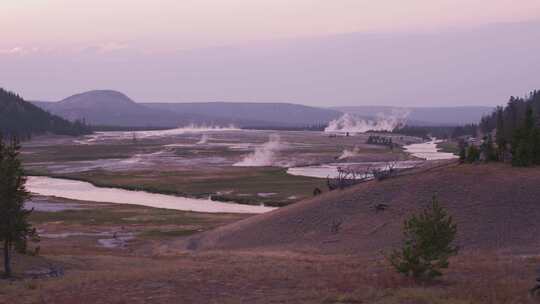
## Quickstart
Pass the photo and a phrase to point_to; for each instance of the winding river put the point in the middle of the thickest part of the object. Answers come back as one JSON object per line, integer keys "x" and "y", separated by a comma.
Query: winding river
{"x": 78, "y": 190}
{"x": 426, "y": 151}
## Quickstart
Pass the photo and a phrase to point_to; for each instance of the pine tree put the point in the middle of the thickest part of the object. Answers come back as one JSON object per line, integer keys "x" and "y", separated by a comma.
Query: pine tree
{"x": 488, "y": 150}
{"x": 473, "y": 154}
{"x": 518, "y": 129}
{"x": 428, "y": 243}
{"x": 500, "y": 139}
{"x": 15, "y": 230}
{"x": 462, "y": 151}
{"x": 23, "y": 119}
{"x": 525, "y": 143}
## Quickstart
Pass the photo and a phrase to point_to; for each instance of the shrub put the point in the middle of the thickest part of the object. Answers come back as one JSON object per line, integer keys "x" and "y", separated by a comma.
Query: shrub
{"x": 428, "y": 243}
{"x": 462, "y": 153}
{"x": 473, "y": 154}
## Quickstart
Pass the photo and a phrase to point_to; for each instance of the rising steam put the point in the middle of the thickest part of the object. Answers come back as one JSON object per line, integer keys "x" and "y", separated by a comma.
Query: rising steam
{"x": 383, "y": 122}
{"x": 265, "y": 155}
{"x": 159, "y": 133}
{"x": 349, "y": 153}
{"x": 203, "y": 140}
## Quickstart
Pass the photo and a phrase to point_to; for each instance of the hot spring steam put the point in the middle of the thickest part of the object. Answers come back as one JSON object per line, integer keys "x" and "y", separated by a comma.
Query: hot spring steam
{"x": 264, "y": 155}
{"x": 203, "y": 140}
{"x": 349, "y": 153}
{"x": 383, "y": 122}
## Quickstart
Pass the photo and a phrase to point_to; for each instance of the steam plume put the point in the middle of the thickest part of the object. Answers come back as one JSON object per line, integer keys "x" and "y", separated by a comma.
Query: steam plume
{"x": 349, "y": 153}
{"x": 264, "y": 155}
{"x": 383, "y": 122}
{"x": 203, "y": 140}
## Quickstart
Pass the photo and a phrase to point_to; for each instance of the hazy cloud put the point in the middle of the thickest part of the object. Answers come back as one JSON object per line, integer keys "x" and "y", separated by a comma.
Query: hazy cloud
{"x": 478, "y": 66}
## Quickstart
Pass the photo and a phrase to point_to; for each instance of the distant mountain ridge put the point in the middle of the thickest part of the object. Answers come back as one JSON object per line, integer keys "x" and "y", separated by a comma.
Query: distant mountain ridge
{"x": 113, "y": 108}
{"x": 255, "y": 114}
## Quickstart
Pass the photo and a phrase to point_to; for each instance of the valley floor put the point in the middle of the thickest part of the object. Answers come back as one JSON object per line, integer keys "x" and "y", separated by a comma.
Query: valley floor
{"x": 179, "y": 164}
{"x": 104, "y": 253}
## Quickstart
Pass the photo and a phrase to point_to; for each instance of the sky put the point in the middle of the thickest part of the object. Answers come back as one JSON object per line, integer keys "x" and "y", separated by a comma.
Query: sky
{"x": 315, "y": 52}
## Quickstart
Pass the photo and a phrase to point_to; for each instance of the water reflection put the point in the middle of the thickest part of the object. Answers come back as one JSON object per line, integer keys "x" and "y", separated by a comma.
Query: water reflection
{"x": 85, "y": 191}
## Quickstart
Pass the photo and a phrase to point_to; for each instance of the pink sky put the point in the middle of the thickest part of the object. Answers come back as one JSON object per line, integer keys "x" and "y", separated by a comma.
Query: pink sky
{"x": 171, "y": 24}
{"x": 318, "y": 52}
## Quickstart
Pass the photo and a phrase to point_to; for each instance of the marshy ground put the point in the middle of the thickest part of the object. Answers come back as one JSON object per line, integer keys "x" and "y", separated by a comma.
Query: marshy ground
{"x": 180, "y": 164}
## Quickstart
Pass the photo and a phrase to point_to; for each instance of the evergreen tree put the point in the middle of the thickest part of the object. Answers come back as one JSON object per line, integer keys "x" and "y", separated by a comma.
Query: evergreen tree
{"x": 517, "y": 129}
{"x": 15, "y": 230}
{"x": 428, "y": 243}
{"x": 473, "y": 154}
{"x": 462, "y": 151}
{"x": 526, "y": 142}
{"x": 500, "y": 139}
{"x": 488, "y": 150}
{"x": 23, "y": 119}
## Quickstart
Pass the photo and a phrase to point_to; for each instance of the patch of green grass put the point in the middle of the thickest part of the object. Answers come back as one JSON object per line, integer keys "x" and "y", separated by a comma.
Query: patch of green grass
{"x": 130, "y": 215}
{"x": 449, "y": 147}
{"x": 86, "y": 217}
{"x": 247, "y": 182}
{"x": 158, "y": 234}
{"x": 62, "y": 153}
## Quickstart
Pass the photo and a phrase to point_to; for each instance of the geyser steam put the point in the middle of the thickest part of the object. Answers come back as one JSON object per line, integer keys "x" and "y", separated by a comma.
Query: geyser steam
{"x": 172, "y": 132}
{"x": 265, "y": 155}
{"x": 349, "y": 153}
{"x": 203, "y": 140}
{"x": 383, "y": 122}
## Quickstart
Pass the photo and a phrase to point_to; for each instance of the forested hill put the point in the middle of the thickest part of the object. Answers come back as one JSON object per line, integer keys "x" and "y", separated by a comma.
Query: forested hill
{"x": 517, "y": 136}
{"x": 21, "y": 118}
{"x": 513, "y": 115}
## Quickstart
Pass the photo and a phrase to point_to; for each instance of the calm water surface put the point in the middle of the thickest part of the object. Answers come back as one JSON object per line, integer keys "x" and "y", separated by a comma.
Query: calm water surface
{"x": 85, "y": 191}
{"x": 426, "y": 150}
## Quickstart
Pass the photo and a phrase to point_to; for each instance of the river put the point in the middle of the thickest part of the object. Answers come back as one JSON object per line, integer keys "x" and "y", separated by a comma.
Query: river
{"x": 78, "y": 190}
{"x": 426, "y": 151}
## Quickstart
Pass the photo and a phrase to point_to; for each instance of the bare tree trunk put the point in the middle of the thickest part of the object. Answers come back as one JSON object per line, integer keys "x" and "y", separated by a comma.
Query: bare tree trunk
{"x": 7, "y": 262}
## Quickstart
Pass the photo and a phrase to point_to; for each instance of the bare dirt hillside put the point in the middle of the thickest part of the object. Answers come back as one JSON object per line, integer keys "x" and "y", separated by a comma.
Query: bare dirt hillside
{"x": 495, "y": 206}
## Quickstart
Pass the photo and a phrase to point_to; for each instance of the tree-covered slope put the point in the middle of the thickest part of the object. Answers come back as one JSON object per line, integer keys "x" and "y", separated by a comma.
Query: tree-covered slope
{"x": 21, "y": 118}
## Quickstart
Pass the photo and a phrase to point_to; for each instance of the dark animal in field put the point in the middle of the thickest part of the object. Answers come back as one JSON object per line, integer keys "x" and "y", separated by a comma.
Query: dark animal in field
{"x": 380, "y": 207}
{"x": 536, "y": 289}
{"x": 336, "y": 226}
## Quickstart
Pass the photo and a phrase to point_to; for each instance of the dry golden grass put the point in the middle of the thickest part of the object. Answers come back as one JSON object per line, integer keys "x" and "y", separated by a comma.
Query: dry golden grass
{"x": 267, "y": 277}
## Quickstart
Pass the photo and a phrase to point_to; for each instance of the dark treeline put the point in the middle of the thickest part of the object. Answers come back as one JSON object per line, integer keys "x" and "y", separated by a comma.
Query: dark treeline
{"x": 313, "y": 127}
{"x": 511, "y": 116}
{"x": 441, "y": 132}
{"x": 122, "y": 128}
{"x": 380, "y": 140}
{"x": 517, "y": 131}
{"x": 23, "y": 119}
{"x": 466, "y": 130}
